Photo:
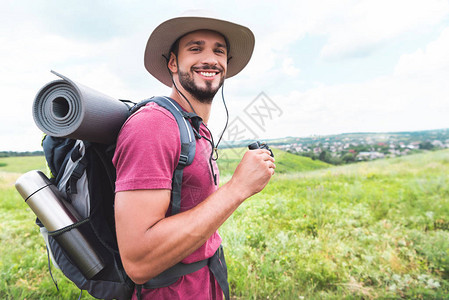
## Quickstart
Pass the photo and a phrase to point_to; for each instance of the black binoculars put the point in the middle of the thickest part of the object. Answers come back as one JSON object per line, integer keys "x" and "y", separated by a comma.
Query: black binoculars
{"x": 259, "y": 145}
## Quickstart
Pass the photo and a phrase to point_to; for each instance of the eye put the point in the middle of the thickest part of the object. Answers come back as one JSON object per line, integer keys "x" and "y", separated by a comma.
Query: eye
{"x": 195, "y": 49}
{"x": 220, "y": 51}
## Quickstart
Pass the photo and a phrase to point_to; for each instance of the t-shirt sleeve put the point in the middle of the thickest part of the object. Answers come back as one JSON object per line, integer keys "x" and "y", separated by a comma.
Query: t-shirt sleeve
{"x": 148, "y": 149}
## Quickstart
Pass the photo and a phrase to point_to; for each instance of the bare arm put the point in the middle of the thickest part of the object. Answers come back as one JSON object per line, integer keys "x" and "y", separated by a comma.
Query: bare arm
{"x": 150, "y": 243}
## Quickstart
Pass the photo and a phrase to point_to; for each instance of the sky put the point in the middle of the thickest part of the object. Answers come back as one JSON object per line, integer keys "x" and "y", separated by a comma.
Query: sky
{"x": 318, "y": 67}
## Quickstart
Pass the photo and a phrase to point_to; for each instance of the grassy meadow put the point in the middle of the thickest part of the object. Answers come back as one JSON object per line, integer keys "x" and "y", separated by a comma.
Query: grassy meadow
{"x": 374, "y": 230}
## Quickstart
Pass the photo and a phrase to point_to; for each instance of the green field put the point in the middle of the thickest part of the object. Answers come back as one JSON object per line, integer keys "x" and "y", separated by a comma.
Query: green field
{"x": 285, "y": 162}
{"x": 375, "y": 230}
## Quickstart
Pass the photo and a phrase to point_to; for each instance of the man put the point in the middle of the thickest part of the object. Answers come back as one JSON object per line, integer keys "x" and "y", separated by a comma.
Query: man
{"x": 192, "y": 55}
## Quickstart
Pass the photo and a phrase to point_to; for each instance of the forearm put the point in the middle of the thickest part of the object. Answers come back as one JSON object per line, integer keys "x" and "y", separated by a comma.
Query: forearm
{"x": 172, "y": 239}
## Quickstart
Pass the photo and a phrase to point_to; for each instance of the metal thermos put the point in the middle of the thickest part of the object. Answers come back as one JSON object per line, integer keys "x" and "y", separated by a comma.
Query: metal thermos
{"x": 55, "y": 213}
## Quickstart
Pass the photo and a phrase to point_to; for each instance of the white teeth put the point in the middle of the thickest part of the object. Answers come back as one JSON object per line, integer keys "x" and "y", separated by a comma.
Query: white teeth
{"x": 207, "y": 74}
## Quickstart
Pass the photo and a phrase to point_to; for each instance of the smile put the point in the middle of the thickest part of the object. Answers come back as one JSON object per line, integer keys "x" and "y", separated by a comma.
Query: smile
{"x": 207, "y": 74}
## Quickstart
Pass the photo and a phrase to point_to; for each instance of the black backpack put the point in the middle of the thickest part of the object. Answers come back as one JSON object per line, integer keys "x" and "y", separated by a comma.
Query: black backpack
{"x": 84, "y": 174}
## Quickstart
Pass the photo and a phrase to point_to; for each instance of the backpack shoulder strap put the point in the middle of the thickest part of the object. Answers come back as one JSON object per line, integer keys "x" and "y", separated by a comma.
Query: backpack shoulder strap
{"x": 188, "y": 142}
{"x": 185, "y": 128}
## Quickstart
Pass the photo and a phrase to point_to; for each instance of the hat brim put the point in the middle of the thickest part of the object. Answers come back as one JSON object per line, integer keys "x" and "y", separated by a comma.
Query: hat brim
{"x": 241, "y": 44}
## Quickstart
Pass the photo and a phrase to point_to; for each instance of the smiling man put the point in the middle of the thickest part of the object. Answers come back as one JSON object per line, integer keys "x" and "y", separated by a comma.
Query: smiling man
{"x": 204, "y": 54}
{"x": 193, "y": 55}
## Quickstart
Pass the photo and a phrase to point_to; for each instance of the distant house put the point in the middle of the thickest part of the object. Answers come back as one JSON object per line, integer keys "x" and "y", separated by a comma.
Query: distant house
{"x": 437, "y": 143}
{"x": 370, "y": 155}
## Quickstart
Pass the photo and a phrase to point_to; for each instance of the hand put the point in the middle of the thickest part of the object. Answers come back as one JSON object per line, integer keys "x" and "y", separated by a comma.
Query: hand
{"x": 253, "y": 172}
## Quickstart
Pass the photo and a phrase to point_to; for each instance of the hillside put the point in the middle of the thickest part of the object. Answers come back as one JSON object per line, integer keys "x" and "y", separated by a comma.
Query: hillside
{"x": 285, "y": 162}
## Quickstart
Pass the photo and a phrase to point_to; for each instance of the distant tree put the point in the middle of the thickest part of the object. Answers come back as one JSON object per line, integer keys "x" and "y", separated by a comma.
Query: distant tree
{"x": 335, "y": 160}
{"x": 348, "y": 158}
{"x": 322, "y": 156}
{"x": 327, "y": 157}
{"x": 426, "y": 145}
{"x": 27, "y": 153}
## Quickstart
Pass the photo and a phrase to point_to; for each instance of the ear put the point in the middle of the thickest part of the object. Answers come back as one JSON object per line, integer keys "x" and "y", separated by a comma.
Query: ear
{"x": 172, "y": 63}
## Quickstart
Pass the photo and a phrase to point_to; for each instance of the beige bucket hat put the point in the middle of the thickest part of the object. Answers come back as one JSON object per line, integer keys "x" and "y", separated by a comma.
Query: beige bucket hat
{"x": 241, "y": 42}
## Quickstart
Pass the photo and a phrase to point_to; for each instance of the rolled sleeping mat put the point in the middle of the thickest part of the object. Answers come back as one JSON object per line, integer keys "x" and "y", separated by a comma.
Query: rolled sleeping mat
{"x": 64, "y": 108}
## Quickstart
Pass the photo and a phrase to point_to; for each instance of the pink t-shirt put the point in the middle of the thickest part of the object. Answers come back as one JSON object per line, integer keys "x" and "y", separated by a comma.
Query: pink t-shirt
{"x": 148, "y": 150}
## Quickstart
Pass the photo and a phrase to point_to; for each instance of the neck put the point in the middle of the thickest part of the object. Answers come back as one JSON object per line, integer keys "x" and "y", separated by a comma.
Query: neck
{"x": 201, "y": 109}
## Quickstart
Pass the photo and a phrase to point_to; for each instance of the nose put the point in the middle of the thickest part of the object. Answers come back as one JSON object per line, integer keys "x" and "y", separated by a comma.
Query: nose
{"x": 209, "y": 58}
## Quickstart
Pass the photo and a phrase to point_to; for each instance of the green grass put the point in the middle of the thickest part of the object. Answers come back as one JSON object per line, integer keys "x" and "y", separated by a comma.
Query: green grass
{"x": 369, "y": 230}
{"x": 22, "y": 164}
{"x": 376, "y": 230}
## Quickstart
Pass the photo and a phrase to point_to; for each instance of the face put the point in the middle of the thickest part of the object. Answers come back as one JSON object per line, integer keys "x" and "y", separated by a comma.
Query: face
{"x": 201, "y": 64}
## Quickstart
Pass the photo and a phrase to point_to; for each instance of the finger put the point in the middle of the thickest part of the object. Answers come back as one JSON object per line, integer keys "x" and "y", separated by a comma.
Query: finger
{"x": 263, "y": 151}
{"x": 259, "y": 151}
{"x": 271, "y": 165}
{"x": 268, "y": 156}
{"x": 266, "y": 151}
{"x": 271, "y": 169}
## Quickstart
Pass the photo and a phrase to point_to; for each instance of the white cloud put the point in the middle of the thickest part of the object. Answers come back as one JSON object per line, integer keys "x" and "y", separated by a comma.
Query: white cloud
{"x": 289, "y": 67}
{"x": 28, "y": 54}
{"x": 432, "y": 59}
{"x": 348, "y": 28}
{"x": 352, "y": 27}
{"x": 366, "y": 24}
{"x": 385, "y": 104}
{"x": 414, "y": 97}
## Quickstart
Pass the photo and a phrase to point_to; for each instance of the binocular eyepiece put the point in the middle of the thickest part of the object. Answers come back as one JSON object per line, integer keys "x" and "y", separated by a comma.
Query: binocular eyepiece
{"x": 259, "y": 145}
